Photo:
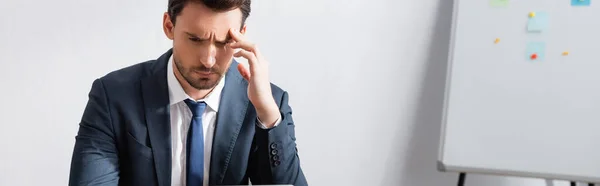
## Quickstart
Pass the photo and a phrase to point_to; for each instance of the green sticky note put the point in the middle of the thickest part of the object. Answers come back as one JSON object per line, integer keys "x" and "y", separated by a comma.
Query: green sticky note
{"x": 499, "y": 3}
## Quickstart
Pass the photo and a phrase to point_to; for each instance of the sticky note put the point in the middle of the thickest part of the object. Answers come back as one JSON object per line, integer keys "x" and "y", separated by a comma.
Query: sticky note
{"x": 580, "y": 2}
{"x": 538, "y": 23}
{"x": 565, "y": 53}
{"x": 535, "y": 51}
{"x": 499, "y": 3}
{"x": 497, "y": 40}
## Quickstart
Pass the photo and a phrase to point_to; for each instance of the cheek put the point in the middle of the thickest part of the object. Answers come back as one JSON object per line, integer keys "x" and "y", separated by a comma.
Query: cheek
{"x": 187, "y": 52}
{"x": 184, "y": 45}
{"x": 223, "y": 49}
{"x": 225, "y": 53}
{"x": 224, "y": 57}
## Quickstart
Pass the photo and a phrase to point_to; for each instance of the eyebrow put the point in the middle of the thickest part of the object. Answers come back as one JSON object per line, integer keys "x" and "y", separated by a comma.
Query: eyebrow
{"x": 220, "y": 41}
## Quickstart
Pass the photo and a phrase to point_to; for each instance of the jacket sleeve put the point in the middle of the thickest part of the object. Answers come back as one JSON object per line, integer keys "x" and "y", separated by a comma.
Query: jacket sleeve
{"x": 95, "y": 160}
{"x": 276, "y": 159}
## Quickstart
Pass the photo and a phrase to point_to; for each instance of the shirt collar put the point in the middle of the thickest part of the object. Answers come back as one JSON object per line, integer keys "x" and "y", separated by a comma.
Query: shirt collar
{"x": 177, "y": 94}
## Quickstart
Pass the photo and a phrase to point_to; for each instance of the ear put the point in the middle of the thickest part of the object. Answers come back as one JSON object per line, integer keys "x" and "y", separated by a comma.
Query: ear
{"x": 168, "y": 26}
{"x": 243, "y": 30}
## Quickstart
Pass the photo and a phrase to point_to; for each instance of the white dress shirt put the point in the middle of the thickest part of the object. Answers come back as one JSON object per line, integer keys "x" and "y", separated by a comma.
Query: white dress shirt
{"x": 180, "y": 122}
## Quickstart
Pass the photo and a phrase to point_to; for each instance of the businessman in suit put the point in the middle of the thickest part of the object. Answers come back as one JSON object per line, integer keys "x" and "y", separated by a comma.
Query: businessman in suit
{"x": 194, "y": 116}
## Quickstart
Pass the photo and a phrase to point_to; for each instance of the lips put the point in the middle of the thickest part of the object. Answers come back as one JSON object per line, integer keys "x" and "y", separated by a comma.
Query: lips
{"x": 204, "y": 73}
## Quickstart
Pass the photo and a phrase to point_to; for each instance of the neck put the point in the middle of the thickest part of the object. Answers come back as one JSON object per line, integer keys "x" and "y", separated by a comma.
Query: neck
{"x": 188, "y": 89}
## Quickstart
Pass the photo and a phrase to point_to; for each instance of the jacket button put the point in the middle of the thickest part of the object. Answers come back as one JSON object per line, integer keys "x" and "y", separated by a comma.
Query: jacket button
{"x": 274, "y": 152}
{"x": 275, "y": 158}
{"x": 276, "y": 163}
{"x": 273, "y": 145}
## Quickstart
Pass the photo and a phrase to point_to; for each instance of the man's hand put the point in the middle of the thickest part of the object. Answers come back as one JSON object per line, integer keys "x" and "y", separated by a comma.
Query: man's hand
{"x": 257, "y": 75}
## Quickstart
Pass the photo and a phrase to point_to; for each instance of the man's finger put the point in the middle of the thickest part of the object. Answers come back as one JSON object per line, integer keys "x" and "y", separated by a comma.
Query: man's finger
{"x": 249, "y": 56}
{"x": 236, "y": 36}
{"x": 241, "y": 42}
{"x": 244, "y": 71}
{"x": 245, "y": 46}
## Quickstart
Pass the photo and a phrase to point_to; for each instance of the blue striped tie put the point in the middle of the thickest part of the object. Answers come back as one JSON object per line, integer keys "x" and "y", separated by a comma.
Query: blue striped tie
{"x": 195, "y": 144}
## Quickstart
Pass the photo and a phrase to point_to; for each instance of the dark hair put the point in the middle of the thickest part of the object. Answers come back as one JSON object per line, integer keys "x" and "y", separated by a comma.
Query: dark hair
{"x": 176, "y": 6}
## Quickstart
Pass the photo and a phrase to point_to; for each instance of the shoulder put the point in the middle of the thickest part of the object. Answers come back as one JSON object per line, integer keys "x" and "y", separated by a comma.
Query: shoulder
{"x": 129, "y": 74}
{"x": 125, "y": 81}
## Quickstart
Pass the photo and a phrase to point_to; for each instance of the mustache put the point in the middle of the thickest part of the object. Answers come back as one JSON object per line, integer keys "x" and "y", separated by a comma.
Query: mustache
{"x": 205, "y": 69}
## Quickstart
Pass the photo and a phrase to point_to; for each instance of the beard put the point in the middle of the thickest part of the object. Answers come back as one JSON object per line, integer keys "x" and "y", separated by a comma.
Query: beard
{"x": 200, "y": 83}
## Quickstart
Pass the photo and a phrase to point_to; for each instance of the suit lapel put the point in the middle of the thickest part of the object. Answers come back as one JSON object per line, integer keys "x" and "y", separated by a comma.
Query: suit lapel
{"x": 234, "y": 102}
{"x": 155, "y": 94}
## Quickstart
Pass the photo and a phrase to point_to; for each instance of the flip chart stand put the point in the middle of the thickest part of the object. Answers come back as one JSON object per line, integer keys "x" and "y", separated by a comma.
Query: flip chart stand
{"x": 463, "y": 176}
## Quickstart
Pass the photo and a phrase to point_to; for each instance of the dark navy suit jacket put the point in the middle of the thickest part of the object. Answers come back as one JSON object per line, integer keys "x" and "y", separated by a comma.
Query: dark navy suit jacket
{"x": 124, "y": 136}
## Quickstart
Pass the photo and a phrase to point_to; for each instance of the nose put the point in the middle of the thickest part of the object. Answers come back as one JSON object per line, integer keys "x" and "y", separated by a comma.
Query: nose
{"x": 209, "y": 58}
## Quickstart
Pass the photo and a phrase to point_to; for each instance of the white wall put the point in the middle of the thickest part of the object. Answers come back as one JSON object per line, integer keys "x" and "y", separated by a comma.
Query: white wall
{"x": 365, "y": 79}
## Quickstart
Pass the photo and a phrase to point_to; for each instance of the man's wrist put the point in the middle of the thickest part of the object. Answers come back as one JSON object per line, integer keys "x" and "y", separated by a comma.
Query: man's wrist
{"x": 268, "y": 115}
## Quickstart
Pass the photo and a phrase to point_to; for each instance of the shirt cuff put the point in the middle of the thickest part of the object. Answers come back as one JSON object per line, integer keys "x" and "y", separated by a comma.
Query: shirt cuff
{"x": 263, "y": 126}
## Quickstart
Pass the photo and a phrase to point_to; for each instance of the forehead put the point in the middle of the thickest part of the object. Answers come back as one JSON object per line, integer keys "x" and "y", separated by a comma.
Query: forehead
{"x": 199, "y": 19}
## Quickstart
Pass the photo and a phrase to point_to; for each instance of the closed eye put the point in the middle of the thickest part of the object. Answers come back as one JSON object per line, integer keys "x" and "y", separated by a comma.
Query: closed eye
{"x": 195, "y": 39}
{"x": 223, "y": 43}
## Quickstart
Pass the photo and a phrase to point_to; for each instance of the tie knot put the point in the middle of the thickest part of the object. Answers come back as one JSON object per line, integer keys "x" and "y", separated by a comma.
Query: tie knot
{"x": 197, "y": 108}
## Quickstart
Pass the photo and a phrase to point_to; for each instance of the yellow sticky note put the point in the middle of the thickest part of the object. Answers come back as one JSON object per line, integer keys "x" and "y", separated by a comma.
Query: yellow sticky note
{"x": 497, "y": 40}
{"x": 565, "y": 53}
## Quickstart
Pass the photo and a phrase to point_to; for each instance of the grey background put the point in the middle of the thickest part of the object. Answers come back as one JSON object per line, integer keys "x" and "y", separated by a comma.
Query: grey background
{"x": 366, "y": 80}
{"x": 508, "y": 115}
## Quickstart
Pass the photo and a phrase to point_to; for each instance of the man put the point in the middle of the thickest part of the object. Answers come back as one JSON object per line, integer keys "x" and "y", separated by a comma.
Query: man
{"x": 194, "y": 116}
